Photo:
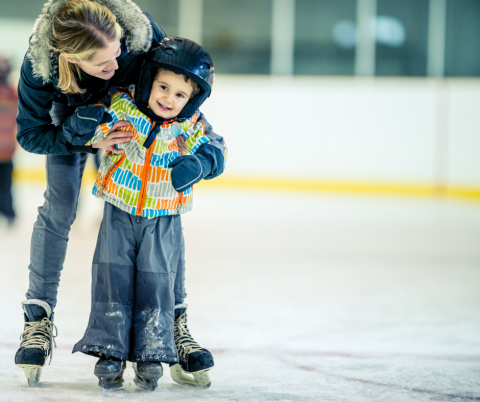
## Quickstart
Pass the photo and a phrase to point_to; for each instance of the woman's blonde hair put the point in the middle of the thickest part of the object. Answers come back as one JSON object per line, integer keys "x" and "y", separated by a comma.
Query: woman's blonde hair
{"x": 80, "y": 29}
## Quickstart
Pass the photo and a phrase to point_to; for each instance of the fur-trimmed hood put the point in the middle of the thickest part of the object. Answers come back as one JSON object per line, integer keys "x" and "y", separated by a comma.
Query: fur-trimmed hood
{"x": 137, "y": 34}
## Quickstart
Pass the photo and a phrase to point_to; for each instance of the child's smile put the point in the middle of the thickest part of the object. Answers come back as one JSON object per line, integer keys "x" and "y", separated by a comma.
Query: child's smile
{"x": 164, "y": 108}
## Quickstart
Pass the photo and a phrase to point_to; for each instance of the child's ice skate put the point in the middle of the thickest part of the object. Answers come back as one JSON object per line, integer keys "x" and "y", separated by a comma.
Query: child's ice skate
{"x": 109, "y": 372}
{"x": 195, "y": 361}
{"x": 36, "y": 339}
{"x": 147, "y": 374}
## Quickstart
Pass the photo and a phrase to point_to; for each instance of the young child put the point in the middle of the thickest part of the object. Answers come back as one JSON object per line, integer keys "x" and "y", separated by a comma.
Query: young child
{"x": 133, "y": 316}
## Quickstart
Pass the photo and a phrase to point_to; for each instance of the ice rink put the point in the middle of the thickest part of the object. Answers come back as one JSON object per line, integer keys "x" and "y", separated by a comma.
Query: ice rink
{"x": 300, "y": 297}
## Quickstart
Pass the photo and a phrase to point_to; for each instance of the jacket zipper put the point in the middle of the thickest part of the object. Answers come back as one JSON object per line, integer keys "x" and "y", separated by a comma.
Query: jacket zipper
{"x": 145, "y": 176}
{"x": 109, "y": 173}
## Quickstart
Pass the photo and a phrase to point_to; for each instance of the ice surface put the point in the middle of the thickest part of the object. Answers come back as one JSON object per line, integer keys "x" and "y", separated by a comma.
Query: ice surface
{"x": 299, "y": 297}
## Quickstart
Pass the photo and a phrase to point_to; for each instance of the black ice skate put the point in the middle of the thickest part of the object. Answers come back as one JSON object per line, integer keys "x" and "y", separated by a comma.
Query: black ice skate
{"x": 147, "y": 374}
{"x": 195, "y": 361}
{"x": 109, "y": 372}
{"x": 36, "y": 339}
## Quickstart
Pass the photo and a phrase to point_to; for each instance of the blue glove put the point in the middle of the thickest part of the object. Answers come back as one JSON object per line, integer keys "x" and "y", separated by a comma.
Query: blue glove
{"x": 79, "y": 128}
{"x": 187, "y": 170}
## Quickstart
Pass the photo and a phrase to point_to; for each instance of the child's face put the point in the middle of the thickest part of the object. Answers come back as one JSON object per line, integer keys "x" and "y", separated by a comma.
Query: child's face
{"x": 170, "y": 93}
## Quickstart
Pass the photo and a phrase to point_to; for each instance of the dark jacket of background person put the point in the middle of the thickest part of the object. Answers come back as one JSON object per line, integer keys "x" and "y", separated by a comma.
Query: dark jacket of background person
{"x": 37, "y": 89}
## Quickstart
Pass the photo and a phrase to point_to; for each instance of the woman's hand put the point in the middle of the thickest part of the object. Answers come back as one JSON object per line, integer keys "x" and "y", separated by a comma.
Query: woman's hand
{"x": 115, "y": 137}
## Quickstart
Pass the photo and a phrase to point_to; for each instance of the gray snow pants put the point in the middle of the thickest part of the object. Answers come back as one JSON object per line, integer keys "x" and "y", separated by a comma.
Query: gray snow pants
{"x": 133, "y": 275}
{"x": 50, "y": 232}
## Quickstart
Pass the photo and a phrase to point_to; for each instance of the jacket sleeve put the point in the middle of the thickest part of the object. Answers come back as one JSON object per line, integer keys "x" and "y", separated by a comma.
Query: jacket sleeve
{"x": 88, "y": 125}
{"x": 215, "y": 151}
{"x": 91, "y": 124}
{"x": 36, "y": 133}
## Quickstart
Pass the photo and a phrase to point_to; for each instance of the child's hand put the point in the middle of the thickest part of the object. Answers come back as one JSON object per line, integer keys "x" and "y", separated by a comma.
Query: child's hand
{"x": 115, "y": 137}
{"x": 182, "y": 147}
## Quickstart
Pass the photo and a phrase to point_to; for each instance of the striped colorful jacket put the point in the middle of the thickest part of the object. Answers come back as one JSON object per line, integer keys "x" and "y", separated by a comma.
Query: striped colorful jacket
{"x": 138, "y": 181}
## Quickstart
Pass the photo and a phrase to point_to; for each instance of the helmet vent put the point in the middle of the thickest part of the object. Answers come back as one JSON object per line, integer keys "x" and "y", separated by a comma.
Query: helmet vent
{"x": 169, "y": 50}
{"x": 206, "y": 66}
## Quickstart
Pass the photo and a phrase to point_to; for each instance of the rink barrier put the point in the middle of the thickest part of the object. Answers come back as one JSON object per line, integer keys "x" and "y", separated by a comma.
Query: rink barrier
{"x": 24, "y": 175}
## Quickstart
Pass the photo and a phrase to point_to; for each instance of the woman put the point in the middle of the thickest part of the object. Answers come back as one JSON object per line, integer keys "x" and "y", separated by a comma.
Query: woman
{"x": 78, "y": 50}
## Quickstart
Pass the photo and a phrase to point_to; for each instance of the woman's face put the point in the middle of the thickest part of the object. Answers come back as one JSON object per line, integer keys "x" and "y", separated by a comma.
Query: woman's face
{"x": 104, "y": 62}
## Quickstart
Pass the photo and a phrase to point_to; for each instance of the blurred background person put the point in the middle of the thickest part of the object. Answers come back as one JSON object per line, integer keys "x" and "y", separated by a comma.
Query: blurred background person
{"x": 8, "y": 113}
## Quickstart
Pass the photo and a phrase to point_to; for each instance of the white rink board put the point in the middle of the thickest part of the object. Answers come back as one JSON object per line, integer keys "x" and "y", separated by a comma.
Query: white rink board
{"x": 349, "y": 128}
{"x": 352, "y": 299}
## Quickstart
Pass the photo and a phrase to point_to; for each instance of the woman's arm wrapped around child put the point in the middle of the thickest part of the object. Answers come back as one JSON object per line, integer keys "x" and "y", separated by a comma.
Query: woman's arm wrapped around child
{"x": 84, "y": 126}
{"x": 93, "y": 123}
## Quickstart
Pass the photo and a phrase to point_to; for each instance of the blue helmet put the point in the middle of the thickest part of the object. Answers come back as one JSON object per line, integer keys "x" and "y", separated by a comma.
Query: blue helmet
{"x": 181, "y": 56}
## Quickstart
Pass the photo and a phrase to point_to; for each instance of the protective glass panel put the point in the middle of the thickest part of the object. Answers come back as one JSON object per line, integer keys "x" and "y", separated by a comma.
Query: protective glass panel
{"x": 401, "y": 33}
{"x": 163, "y": 12}
{"x": 237, "y": 34}
{"x": 463, "y": 38}
{"x": 325, "y": 37}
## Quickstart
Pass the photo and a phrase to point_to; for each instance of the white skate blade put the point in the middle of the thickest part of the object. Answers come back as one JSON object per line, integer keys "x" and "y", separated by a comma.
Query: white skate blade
{"x": 32, "y": 373}
{"x": 199, "y": 379}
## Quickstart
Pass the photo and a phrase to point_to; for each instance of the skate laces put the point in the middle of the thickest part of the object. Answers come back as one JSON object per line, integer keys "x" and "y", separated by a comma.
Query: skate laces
{"x": 184, "y": 341}
{"x": 39, "y": 334}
